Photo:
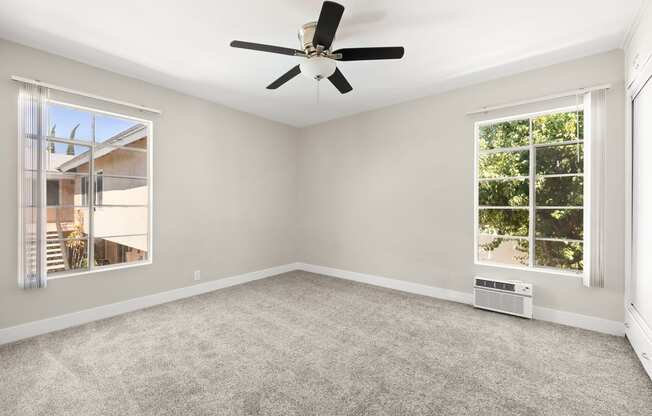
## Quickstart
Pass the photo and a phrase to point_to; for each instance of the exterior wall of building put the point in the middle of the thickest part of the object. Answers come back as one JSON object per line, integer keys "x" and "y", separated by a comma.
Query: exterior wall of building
{"x": 115, "y": 223}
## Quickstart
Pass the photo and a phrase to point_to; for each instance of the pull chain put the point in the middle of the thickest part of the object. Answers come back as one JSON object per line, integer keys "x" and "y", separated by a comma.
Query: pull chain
{"x": 318, "y": 91}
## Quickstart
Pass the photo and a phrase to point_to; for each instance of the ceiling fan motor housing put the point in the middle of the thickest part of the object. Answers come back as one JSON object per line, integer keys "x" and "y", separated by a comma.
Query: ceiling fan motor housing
{"x": 317, "y": 66}
{"x": 306, "y": 35}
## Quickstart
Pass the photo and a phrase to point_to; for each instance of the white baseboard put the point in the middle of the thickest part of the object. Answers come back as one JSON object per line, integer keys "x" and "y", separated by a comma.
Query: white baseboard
{"x": 56, "y": 323}
{"x": 403, "y": 286}
{"x": 544, "y": 314}
{"x": 639, "y": 335}
{"x": 577, "y": 320}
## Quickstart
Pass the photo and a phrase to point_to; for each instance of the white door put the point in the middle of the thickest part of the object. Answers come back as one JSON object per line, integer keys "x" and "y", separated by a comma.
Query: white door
{"x": 641, "y": 284}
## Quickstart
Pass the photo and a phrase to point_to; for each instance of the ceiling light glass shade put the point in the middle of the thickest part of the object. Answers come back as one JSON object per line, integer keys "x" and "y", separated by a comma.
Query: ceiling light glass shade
{"x": 318, "y": 67}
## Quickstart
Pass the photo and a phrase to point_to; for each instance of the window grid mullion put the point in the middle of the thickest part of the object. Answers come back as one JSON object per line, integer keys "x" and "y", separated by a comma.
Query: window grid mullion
{"x": 104, "y": 237}
{"x": 504, "y": 178}
{"x": 557, "y": 207}
{"x": 532, "y": 197}
{"x": 505, "y": 236}
{"x": 563, "y": 143}
{"x": 502, "y": 207}
{"x": 76, "y": 142}
{"x": 513, "y": 149}
{"x": 561, "y": 175}
{"x": 563, "y": 240}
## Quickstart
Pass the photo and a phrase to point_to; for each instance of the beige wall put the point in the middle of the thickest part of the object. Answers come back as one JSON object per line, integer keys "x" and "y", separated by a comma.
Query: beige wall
{"x": 224, "y": 191}
{"x": 390, "y": 192}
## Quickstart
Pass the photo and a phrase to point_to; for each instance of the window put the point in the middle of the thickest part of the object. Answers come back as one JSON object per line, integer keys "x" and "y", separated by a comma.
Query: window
{"x": 530, "y": 191}
{"x": 52, "y": 192}
{"x": 97, "y": 182}
{"x": 99, "y": 187}
{"x": 84, "y": 195}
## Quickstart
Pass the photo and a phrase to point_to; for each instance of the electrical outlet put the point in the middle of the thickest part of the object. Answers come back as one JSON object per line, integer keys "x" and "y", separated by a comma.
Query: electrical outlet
{"x": 197, "y": 275}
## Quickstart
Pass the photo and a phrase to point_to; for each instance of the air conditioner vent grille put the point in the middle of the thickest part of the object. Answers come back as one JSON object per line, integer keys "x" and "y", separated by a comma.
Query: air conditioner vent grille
{"x": 499, "y": 301}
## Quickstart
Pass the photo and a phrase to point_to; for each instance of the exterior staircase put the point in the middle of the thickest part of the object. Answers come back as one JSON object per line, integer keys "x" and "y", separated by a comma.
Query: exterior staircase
{"x": 54, "y": 253}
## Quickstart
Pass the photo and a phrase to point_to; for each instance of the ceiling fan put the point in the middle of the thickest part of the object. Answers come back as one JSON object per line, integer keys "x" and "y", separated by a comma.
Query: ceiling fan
{"x": 316, "y": 39}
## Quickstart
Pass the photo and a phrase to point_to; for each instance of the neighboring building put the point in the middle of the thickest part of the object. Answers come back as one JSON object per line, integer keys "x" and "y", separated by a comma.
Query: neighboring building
{"x": 120, "y": 223}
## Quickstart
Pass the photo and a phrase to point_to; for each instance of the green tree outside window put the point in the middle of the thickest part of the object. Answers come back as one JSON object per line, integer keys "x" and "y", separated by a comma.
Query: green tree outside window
{"x": 554, "y": 144}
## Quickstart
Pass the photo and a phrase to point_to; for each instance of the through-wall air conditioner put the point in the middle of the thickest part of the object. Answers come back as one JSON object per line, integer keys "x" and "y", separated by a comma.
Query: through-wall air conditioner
{"x": 507, "y": 296}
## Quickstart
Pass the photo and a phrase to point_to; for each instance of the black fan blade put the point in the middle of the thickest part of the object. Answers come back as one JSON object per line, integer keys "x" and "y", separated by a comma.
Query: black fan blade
{"x": 340, "y": 82}
{"x": 368, "y": 54}
{"x": 265, "y": 48}
{"x": 285, "y": 78}
{"x": 329, "y": 20}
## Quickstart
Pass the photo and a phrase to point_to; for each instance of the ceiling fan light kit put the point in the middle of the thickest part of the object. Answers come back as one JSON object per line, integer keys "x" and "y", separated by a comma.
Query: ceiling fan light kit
{"x": 315, "y": 39}
{"x": 318, "y": 67}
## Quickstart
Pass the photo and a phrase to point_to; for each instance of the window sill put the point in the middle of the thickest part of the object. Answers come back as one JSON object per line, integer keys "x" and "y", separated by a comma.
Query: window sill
{"x": 100, "y": 269}
{"x": 542, "y": 270}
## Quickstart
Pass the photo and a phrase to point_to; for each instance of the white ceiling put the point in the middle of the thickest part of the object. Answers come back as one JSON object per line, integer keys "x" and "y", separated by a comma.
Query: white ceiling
{"x": 184, "y": 45}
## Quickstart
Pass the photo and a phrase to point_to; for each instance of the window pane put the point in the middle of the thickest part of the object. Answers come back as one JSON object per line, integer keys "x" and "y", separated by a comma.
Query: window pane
{"x": 558, "y": 127}
{"x": 69, "y": 123}
{"x": 116, "y": 250}
{"x": 120, "y": 161}
{"x": 559, "y": 254}
{"x": 504, "y": 193}
{"x": 66, "y": 189}
{"x": 66, "y": 255}
{"x": 507, "y": 134}
{"x": 503, "y": 250}
{"x": 64, "y": 157}
{"x": 514, "y": 222}
{"x": 496, "y": 165}
{"x": 560, "y": 223}
{"x": 121, "y": 191}
{"x": 119, "y": 204}
{"x": 118, "y": 221}
{"x": 116, "y": 130}
{"x": 560, "y": 159}
{"x": 67, "y": 222}
{"x": 560, "y": 191}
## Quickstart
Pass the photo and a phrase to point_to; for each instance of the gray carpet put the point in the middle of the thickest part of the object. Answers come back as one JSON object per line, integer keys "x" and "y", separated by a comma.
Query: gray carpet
{"x": 304, "y": 344}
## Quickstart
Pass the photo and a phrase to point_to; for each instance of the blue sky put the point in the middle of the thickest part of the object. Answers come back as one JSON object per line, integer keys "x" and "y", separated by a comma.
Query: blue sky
{"x": 66, "y": 118}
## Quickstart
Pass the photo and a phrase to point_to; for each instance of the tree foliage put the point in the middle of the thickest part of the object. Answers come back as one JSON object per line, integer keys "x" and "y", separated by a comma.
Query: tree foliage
{"x": 76, "y": 246}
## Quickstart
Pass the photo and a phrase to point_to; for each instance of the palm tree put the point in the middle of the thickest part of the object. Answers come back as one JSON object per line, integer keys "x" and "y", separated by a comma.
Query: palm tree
{"x": 71, "y": 147}
{"x": 53, "y": 131}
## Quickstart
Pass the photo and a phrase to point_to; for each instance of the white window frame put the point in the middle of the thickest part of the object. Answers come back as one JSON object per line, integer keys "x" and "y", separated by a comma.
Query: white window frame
{"x": 531, "y": 147}
{"x": 91, "y": 186}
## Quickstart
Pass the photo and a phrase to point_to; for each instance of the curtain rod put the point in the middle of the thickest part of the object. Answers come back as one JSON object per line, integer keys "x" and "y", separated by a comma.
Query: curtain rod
{"x": 570, "y": 93}
{"x": 84, "y": 94}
